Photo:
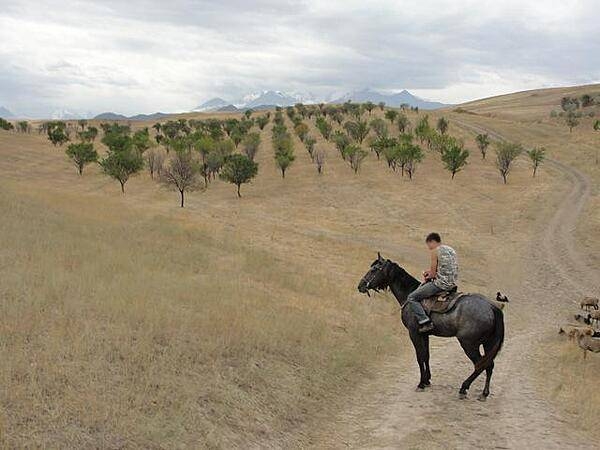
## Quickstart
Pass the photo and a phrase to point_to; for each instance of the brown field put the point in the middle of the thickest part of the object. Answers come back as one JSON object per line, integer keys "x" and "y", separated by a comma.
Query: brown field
{"x": 130, "y": 322}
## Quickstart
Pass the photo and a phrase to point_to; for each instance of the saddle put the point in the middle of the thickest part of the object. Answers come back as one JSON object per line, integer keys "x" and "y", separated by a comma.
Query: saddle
{"x": 442, "y": 303}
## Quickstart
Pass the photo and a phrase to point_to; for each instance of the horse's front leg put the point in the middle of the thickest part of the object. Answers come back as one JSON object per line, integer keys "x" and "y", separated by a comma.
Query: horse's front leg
{"x": 426, "y": 361}
{"x": 419, "y": 345}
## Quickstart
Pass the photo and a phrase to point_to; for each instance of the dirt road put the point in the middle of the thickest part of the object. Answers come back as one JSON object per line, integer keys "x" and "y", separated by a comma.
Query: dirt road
{"x": 386, "y": 412}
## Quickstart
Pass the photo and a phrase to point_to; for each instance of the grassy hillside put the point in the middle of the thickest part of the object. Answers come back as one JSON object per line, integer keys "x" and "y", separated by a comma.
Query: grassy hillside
{"x": 133, "y": 322}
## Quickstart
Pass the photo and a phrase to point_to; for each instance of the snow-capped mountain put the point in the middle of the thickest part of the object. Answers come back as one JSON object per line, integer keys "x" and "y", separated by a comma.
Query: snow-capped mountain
{"x": 277, "y": 98}
{"x": 211, "y": 105}
{"x": 65, "y": 114}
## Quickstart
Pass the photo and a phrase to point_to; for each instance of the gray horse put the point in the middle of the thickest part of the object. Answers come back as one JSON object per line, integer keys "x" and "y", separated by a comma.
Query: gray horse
{"x": 474, "y": 321}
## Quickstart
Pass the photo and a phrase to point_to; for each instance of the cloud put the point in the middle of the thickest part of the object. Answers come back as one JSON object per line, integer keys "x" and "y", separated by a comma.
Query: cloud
{"x": 143, "y": 55}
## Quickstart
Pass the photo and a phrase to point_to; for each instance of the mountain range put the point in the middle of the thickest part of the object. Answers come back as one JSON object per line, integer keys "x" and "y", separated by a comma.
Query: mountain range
{"x": 115, "y": 116}
{"x": 5, "y": 113}
{"x": 270, "y": 99}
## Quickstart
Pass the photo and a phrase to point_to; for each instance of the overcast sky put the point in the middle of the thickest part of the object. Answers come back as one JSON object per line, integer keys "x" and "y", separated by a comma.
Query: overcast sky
{"x": 138, "y": 56}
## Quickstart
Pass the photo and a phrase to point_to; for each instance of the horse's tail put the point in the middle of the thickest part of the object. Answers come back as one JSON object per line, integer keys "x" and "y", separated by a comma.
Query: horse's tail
{"x": 497, "y": 339}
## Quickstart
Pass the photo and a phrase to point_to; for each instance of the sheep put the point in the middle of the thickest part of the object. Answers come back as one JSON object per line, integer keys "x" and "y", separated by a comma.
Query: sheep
{"x": 574, "y": 331}
{"x": 589, "y": 302}
{"x": 582, "y": 319}
{"x": 593, "y": 316}
{"x": 587, "y": 342}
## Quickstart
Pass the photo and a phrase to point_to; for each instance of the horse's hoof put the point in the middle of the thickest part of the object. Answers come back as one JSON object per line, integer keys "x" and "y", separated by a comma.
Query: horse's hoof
{"x": 427, "y": 383}
{"x": 420, "y": 389}
{"x": 462, "y": 395}
{"x": 482, "y": 397}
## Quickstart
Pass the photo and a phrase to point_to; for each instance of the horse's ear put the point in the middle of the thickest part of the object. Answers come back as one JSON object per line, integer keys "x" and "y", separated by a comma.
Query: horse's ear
{"x": 379, "y": 256}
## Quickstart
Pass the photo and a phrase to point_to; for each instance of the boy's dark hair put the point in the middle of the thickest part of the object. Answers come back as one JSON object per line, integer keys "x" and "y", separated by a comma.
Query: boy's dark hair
{"x": 433, "y": 237}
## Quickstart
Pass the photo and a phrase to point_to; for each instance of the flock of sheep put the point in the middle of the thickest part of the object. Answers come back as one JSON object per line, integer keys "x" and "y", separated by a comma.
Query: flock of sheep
{"x": 586, "y": 335}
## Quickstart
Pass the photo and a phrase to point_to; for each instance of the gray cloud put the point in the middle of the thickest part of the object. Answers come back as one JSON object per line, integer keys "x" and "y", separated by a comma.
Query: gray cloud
{"x": 144, "y": 55}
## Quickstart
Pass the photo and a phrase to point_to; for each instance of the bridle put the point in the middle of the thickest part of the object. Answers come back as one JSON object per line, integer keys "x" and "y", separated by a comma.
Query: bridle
{"x": 369, "y": 280}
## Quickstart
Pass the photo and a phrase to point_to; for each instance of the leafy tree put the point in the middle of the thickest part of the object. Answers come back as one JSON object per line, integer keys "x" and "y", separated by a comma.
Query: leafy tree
{"x": 403, "y": 123}
{"x": 410, "y": 155}
{"x": 572, "y": 121}
{"x": 537, "y": 156}
{"x": 238, "y": 169}
{"x": 379, "y": 127}
{"x": 82, "y": 123}
{"x": 121, "y": 164}
{"x": 483, "y": 141}
{"x": 454, "y": 157}
{"x": 81, "y": 154}
{"x": 341, "y": 141}
{"x": 182, "y": 173}
{"x": 57, "y": 132}
{"x": 378, "y": 145}
{"x": 569, "y": 104}
{"x": 248, "y": 113}
{"x": 369, "y": 106}
{"x": 506, "y": 153}
{"x": 355, "y": 155}
{"x": 381, "y": 105}
{"x": 155, "y": 159}
{"x": 358, "y": 130}
{"x": 250, "y": 145}
{"x": 391, "y": 115}
{"x": 301, "y": 131}
{"x": 324, "y": 127}
{"x": 309, "y": 143}
{"x": 284, "y": 148}
{"x": 586, "y": 100}
{"x": 5, "y": 125}
{"x": 88, "y": 135}
{"x": 423, "y": 129}
{"x": 236, "y": 136}
{"x": 442, "y": 125}
{"x": 141, "y": 140}
{"x": 117, "y": 137}
{"x": 262, "y": 122}
{"x": 24, "y": 126}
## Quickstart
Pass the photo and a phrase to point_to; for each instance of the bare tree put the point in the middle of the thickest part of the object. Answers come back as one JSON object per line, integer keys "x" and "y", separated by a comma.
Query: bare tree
{"x": 183, "y": 174}
{"x": 319, "y": 159}
{"x": 155, "y": 158}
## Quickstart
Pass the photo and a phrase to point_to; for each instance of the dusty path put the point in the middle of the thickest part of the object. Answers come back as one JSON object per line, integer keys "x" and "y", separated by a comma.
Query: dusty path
{"x": 386, "y": 412}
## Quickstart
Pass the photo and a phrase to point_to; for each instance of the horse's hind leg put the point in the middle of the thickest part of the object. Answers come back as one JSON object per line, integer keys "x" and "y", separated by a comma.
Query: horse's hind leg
{"x": 472, "y": 351}
{"x": 488, "y": 374}
{"x": 426, "y": 361}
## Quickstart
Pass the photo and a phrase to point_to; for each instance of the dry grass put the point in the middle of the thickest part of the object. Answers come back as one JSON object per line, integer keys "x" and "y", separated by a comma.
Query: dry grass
{"x": 131, "y": 322}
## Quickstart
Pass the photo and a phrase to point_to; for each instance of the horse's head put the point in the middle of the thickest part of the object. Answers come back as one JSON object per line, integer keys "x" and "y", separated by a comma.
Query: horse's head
{"x": 377, "y": 278}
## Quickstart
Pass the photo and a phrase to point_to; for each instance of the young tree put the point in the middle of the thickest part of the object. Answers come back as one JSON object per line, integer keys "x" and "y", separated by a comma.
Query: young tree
{"x": 324, "y": 127}
{"x": 248, "y": 113}
{"x": 454, "y": 157}
{"x": 121, "y": 164}
{"x": 358, "y": 130}
{"x": 301, "y": 130}
{"x": 238, "y": 169}
{"x": 506, "y": 153}
{"x": 141, "y": 140}
{"x": 369, "y": 106}
{"x": 24, "y": 126}
{"x": 182, "y": 173}
{"x": 423, "y": 129}
{"x": 483, "y": 141}
{"x": 381, "y": 105}
{"x": 410, "y": 155}
{"x": 391, "y": 115}
{"x": 81, "y": 154}
{"x": 262, "y": 121}
{"x": 403, "y": 123}
{"x": 88, "y": 135}
{"x": 250, "y": 145}
{"x": 5, "y": 125}
{"x": 571, "y": 120}
{"x": 309, "y": 143}
{"x": 341, "y": 140}
{"x": 57, "y": 132}
{"x": 537, "y": 156}
{"x": 155, "y": 159}
{"x": 379, "y": 127}
{"x": 355, "y": 155}
{"x": 442, "y": 125}
{"x": 82, "y": 123}
{"x": 284, "y": 154}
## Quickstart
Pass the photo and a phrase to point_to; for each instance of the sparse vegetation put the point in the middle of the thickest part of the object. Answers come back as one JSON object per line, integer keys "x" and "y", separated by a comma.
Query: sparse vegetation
{"x": 506, "y": 153}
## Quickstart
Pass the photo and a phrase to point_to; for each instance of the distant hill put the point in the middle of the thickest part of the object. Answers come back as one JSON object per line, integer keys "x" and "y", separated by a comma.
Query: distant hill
{"x": 228, "y": 108}
{"x": 393, "y": 100}
{"x": 214, "y": 104}
{"x": 115, "y": 116}
{"x": 5, "y": 113}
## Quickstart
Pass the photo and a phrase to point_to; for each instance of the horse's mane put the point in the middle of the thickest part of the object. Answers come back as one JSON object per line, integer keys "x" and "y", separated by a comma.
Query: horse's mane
{"x": 398, "y": 273}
